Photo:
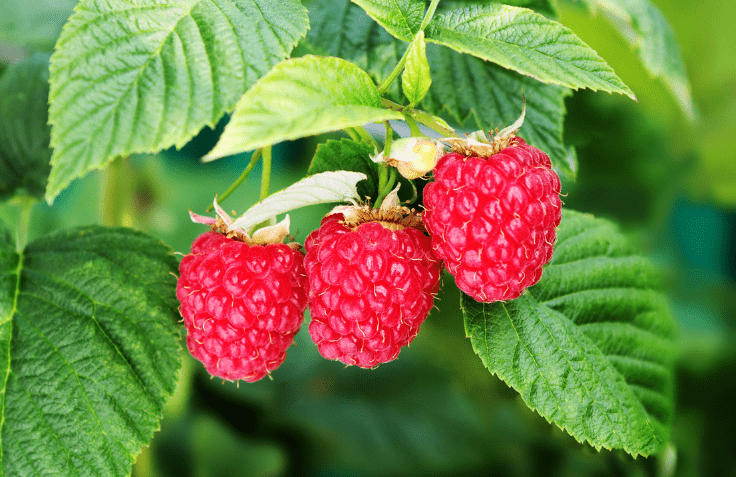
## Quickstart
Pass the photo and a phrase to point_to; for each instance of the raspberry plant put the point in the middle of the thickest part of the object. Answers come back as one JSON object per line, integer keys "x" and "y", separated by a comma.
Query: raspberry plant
{"x": 90, "y": 331}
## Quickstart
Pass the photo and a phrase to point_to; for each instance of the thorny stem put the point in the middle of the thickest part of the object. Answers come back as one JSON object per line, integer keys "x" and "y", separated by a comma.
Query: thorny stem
{"x": 243, "y": 177}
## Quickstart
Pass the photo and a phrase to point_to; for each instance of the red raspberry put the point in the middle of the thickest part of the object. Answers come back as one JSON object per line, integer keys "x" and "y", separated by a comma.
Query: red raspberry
{"x": 492, "y": 219}
{"x": 372, "y": 283}
{"x": 242, "y": 304}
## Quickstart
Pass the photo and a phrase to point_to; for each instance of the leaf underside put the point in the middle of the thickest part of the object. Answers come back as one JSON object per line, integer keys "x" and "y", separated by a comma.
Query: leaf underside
{"x": 591, "y": 346}
{"x": 94, "y": 352}
{"x": 137, "y": 77}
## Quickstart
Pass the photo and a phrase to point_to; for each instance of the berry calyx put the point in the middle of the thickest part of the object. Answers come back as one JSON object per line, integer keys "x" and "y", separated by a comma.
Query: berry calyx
{"x": 242, "y": 301}
{"x": 492, "y": 218}
{"x": 372, "y": 281}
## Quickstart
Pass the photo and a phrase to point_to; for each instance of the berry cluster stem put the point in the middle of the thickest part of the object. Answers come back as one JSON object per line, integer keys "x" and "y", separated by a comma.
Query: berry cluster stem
{"x": 266, "y": 173}
{"x": 242, "y": 178}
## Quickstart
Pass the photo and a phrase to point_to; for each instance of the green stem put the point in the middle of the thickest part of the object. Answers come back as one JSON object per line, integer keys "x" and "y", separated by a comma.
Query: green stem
{"x": 353, "y": 135}
{"x": 383, "y": 87}
{"x": 243, "y": 177}
{"x": 117, "y": 193}
{"x": 365, "y": 136}
{"x": 266, "y": 176}
{"x": 389, "y": 139}
{"x": 430, "y": 13}
{"x": 24, "y": 221}
{"x": 415, "y": 193}
{"x": 387, "y": 187}
{"x": 415, "y": 131}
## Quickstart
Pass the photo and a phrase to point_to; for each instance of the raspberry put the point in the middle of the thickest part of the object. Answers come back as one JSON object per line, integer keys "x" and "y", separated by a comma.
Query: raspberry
{"x": 372, "y": 281}
{"x": 242, "y": 304}
{"x": 492, "y": 219}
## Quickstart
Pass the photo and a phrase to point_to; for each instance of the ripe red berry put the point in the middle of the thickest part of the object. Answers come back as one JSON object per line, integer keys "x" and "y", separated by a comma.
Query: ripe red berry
{"x": 242, "y": 304}
{"x": 372, "y": 281}
{"x": 492, "y": 219}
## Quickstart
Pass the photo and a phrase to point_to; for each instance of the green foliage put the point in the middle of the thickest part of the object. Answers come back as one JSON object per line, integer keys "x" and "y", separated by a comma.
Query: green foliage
{"x": 348, "y": 155}
{"x": 94, "y": 351}
{"x": 416, "y": 79}
{"x": 648, "y": 32}
{"x": 138, "y": 78}
{"x": 301, "y": 97}
{"x": 590, "y": 347}
{"x": 526, "y": 42}
{"x": 323, "y": 188}
{"x": 24, "y": 132}
{"x": 482, "y": 95}
{"x": 401, "y": 18}
{"x": 33, "y": 24}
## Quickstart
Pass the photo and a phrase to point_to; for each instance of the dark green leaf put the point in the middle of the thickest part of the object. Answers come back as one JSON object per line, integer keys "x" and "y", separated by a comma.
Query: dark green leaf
{"x": 94, "y": 352}
{"x": 140, "y": 77}
{"x": 347, "y": 155}
{"x": 482, "y": 95}
{"x": 24, "y": 132}
{"x": 590, "y": 347}
{"x": 527, "y": 42}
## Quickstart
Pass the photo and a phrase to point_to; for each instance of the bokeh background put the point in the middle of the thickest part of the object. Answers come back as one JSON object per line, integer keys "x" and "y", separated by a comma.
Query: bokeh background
{"x": 670, "y": 184}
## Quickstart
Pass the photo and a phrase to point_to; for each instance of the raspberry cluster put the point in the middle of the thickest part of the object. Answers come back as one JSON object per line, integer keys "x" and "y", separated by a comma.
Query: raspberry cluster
{"x": 372, "y": 284}
{"x": 492, "y": 219}
{"x": 242, "y": 304}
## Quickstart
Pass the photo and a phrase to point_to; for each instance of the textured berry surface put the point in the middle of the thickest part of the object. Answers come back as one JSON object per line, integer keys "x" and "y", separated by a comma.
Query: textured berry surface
{"x": 493, "y": 219}
{"x": 370, "y": 289}
{"x": 242, "y": 305}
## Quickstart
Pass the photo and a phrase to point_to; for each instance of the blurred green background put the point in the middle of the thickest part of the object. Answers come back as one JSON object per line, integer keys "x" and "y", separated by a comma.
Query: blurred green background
{"x": 671, "y": 184}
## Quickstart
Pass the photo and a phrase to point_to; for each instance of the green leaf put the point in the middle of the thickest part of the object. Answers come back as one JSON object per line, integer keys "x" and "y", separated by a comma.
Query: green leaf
{"x": 526, "y": 42}
{"x": 341, "y": 28}
{"x": 649, "y": 33}
{"x": 94, "y": 352}
{"x": 33, "y": 24}
{"x": 301, "y": 97}
{"x": 322, "y": 188}
{"x": 347, "y": 155}
{"x": 401, "y": 18}
{"x": 590, "y": 347}
{"x": 416, "y": 80}
{"x": 545, "y": 7}
{"x": 24, "y": 132}
{"x": 482, "y": 95}
{"x": 140, "y": 77}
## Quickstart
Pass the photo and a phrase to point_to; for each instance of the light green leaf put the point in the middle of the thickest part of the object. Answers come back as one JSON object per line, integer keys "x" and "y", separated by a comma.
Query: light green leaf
{"x": 545, "y": 7}
{"x": 301, "y": 97}
{"x": 24, "y": 132}
{"x": 347, "y": 155}
{"x": 649, "y": 33}
{"x": 401, "y": 18}
{"x": 416, "y": 80}
{"x": 33, "y": 24}
{"x": 526, "y": 42}
{"x": 322, "y": 188}
{"x": 590, "y": 347}
{"x": 94, "y": 351}
{"x": 482, "y": 95}
{"x": 341, "y": 28}
{"x": 137, "y": 77}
